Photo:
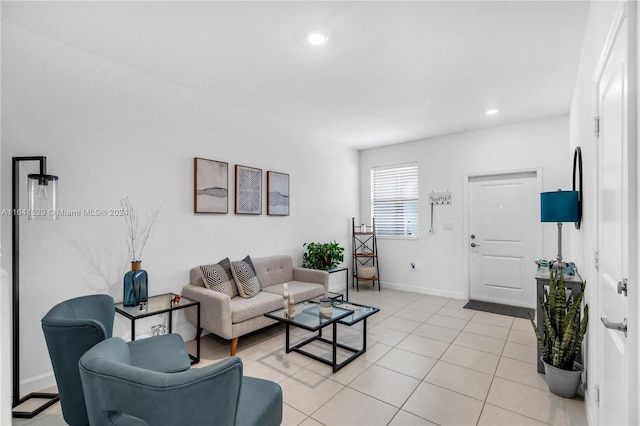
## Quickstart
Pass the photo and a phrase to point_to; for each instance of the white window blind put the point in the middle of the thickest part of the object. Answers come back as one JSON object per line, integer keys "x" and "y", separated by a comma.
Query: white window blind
{"x": 394, "y": 200}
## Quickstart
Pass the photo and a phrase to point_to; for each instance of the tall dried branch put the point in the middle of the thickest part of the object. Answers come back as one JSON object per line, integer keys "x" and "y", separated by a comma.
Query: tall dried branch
{"x": 137, "y": 233}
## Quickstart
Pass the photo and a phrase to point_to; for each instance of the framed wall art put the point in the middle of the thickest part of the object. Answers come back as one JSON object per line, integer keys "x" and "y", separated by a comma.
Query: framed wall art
{"x": 248, "y": 190}
{"x": 211, "y": 186}
{"x": 277, "y": 194}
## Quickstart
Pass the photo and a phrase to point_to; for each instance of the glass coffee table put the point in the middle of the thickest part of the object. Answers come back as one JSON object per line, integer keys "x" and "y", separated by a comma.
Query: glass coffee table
{"x": 308, "y": 317}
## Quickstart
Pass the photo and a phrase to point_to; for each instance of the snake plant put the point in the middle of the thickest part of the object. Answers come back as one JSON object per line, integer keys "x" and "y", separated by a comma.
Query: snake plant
{"x": 563, "y": 330}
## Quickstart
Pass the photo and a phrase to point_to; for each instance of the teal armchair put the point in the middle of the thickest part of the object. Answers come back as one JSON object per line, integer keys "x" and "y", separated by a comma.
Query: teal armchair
{"x": 74, "y": 326}
{"x": 119, "y": 392}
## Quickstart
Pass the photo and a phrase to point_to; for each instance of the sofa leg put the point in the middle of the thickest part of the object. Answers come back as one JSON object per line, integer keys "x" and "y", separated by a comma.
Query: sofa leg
{"x": 234, "y": 346}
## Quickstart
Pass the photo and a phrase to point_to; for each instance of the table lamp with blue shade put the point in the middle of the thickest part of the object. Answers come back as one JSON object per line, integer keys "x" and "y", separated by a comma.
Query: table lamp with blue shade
{"x": 559, "y": 206}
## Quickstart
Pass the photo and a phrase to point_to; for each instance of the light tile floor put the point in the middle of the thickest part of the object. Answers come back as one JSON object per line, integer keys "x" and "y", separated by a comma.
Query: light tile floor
{"x": 428, "y": 361}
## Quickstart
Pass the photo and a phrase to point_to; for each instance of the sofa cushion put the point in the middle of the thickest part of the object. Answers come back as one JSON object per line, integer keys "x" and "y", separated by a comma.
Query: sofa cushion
{"x": 218, "y": 277}
{"x": 298, "y": 289}
{"x": 244, "y": 309}
{"x": 245, "y": 276}
{"x": 273, "y": 269}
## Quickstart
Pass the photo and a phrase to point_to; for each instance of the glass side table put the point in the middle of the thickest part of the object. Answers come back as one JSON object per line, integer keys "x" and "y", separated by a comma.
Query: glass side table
{"x": 158, "y": 305}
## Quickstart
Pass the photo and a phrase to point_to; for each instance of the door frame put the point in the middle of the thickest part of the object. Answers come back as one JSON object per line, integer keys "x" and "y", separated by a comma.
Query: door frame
{"x": 627, "y": 11}
{"x": 466, "y": 196}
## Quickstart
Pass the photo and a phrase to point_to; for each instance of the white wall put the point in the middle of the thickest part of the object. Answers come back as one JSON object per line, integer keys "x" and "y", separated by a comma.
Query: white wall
{"x": 108, "y": 132}
{"x": 600, "y": 19}
{"x": 443, "y": 161}
{"x": 5, "y": 324}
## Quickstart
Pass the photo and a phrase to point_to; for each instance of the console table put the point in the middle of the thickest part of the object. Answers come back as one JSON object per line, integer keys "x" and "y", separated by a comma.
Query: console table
{"x": 572, "y": 283}
{"x": 158, "y": 305}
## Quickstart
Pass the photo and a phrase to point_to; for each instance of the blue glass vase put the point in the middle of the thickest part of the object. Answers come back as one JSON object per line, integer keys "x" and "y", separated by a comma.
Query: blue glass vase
{"x": 135, "y": 285}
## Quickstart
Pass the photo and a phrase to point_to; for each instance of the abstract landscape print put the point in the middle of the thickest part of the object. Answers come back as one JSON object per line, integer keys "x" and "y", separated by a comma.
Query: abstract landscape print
{"x": 211, "y": 186}
{"x": 277, "y": 194}
{"x": 248, "y": 190}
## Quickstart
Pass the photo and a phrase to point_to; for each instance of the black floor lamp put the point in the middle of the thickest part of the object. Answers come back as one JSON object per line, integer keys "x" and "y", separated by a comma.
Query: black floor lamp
{"x": 43, "y": 204}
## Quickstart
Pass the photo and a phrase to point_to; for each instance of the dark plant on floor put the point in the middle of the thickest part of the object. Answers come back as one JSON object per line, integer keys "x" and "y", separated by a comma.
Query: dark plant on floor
{"x": 322, "y": 256}
{"x": 563, "y": 331}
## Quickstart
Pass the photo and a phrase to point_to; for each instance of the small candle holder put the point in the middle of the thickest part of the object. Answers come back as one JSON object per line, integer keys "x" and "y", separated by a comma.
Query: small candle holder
{"x": 325, "y": 307}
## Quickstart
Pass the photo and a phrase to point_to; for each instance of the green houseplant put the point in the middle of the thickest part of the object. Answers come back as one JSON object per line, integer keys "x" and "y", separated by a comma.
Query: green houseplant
{"x": 563, "y": 335}
{"x": 322, "y": 256}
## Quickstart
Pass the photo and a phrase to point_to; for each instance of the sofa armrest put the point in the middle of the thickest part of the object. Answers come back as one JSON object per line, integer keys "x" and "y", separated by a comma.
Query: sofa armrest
{"x": 312, "y": 276}
{"x": 215, "y": 310}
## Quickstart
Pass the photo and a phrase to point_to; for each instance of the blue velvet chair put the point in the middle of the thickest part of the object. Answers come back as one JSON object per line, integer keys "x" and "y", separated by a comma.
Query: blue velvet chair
{"x": 74, "y": 326}
{"x": 119, "y": 392}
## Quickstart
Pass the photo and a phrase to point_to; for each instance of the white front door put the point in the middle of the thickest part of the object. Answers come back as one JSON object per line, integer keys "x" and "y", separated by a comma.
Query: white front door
{"x": 503, "y": 224}
{"x": 615, "y": 205}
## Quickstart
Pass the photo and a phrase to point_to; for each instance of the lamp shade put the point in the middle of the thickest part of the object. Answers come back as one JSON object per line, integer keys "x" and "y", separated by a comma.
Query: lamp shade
{"x": 559, "y": 206}
{"x": 43, "y": 197}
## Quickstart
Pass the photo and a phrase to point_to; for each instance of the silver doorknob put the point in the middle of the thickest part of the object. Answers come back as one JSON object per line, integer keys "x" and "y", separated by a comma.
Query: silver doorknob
{"x": 474, "y": 245}
{"x": 620, "y": 326}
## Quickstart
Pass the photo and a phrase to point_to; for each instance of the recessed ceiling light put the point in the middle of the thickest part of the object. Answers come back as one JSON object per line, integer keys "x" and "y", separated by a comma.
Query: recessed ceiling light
{"x": 317, "y": 39}
{"x": 491, "y": 111}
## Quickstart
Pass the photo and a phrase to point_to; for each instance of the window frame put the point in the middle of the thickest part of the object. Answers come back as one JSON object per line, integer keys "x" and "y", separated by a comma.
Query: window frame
{"x": 397, "y": 200}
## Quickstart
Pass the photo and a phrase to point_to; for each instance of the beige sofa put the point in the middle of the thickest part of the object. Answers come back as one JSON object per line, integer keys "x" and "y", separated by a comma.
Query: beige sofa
{"x": 232, "y": 317}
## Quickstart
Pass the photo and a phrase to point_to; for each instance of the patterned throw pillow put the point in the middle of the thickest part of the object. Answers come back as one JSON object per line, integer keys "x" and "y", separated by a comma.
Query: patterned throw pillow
{"x": 218, "y": 277}
{"x": 246, "y": 279}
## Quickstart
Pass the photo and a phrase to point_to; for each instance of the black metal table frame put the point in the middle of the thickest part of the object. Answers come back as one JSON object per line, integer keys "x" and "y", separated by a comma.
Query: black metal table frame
{"x": 340, "y": 269}
{"x": 334, "y": 343}
{"x": 194, "y": 359}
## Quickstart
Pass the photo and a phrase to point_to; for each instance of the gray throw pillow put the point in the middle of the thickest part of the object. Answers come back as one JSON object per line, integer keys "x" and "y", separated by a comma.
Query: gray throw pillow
{"x": 246, "y": 279}
{"x": 218, "y": 277}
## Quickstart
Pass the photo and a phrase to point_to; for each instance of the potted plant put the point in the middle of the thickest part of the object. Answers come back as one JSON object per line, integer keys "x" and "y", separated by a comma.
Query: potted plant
{"x": 322, "y": 256}
{"x": 563, "y": 334}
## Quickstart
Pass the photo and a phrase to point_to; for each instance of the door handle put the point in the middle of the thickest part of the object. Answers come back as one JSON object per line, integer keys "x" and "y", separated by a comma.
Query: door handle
{"x": 622, "y": 287}
{"x": 620, "y": 326}
{"x": 474, "y": 245}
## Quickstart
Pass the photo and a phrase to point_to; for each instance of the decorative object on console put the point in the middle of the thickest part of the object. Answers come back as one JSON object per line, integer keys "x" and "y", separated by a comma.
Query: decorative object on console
{"x": 135, "y": 285}
{"x": 248, "y": 190}
{"x": 559, "y": 206}
{"x": 277, "y": 194}
{"x": 211, "y": 186}
{"x": 43, "y": 204}
{"x": 561, "y": 339}
{"x": 323, "y": 256}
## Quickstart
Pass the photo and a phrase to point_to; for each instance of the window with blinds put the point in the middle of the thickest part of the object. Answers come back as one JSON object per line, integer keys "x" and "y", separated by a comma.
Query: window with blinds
{"x": 394, "y": 200}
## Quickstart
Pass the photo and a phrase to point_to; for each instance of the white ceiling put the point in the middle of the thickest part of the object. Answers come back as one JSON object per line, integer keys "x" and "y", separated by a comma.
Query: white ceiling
{"x": 391, "y": 71}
